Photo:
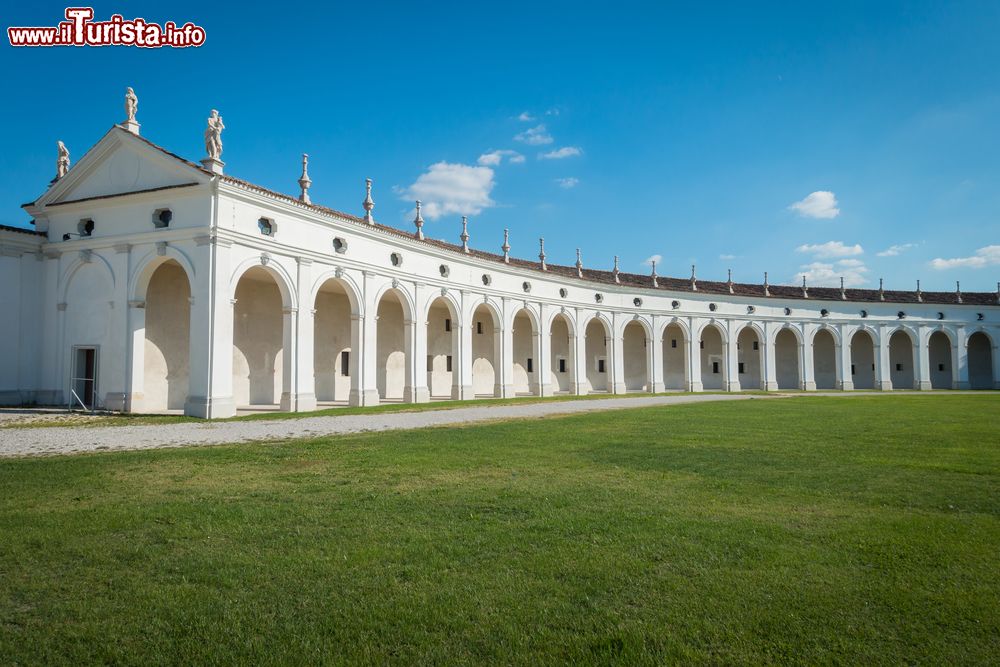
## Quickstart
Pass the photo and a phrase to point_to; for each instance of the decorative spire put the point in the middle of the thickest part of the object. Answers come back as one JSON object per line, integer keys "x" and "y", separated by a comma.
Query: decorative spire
{"x": 694, "y": 280}
{"x": 419, "y": 222}
{"x": 958, "y": 291}
{"x": 541, "y": 253}
{"x": 369, "y": 203}
{"x": 881, "y": 292}
{"x": 843, "y": 294}
{"x": 506, "y": 246}
{"x": 615, "y": 270}
{"x": 304, "y": 180}
{"x": 465, "y": 233}
{"x": 730, "y": 281}
{"x": 656, "y": 283}
{"x": 805, "y": 290}
{"x": 920, "y": 294}
{"x": 62, "y": 160}
{"x": 579, "y": 264}
{"x": 767, "y": 287}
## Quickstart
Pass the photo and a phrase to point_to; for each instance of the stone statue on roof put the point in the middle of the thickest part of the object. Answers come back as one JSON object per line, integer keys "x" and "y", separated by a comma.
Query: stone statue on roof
{"x": 62, "y": 161}
{"x": 213, "y": 135}
{"x": 131, "y": 104}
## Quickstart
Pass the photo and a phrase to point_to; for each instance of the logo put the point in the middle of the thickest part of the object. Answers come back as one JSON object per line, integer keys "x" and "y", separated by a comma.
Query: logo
{"x": 79, "y": 29}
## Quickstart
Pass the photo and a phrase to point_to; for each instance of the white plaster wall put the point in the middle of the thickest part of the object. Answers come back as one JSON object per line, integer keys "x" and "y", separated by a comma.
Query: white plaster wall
{"x": 901, "y": 352}
{"x": 712, "y": 352}
{"x": 523, "y": 339}
{"x": 484, "y": 361}
{"x": 939, "y": 351}
{"x": 88, "y": 318}
{"x": 634, "y": 351}
{"x": 10, "y": 327}
{"x": 980, "y": 362}
{"x": 786, "y": 360}
{"x": 750, "y": 358}
{"x": 257, "y": 340}
{"x": 391, "y": 349}
{"x": 167, "y": 345}
{"x": 560, "y": 342}
{"x": 331, "y": 337}
{"x": 863, "y": 359}
{"x": 825, "y": 360}
{"x": 674, "y": 368}
{"x": 441, "y": 345}
{"x": 596, "y": 348}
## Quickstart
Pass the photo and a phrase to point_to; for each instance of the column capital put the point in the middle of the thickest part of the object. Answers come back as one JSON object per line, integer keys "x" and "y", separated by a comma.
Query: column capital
{"x": 122, "y": 248}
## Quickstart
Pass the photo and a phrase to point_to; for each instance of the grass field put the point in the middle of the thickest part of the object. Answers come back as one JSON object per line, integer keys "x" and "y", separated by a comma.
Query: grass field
{"x": 807, "y": 530}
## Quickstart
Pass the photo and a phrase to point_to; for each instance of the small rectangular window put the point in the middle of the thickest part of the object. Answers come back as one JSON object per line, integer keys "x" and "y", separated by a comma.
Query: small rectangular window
{"x": 430, "y": 363}
{"x": 873, "y": 366}
{"x": 853, "y": 372}
{"x": 741, "y": 368}
{"x": 530, "y": 367}
{"x": 447, "y": 324}
{"x": 673, "y": 342}
{"x": 345, "y": 363}
{"x": 600, "y": 365}
{"x": 562, "y": 365}
{"x": 479, "y": 327}
{"x": 756, "y": 345}
{"x": 448, "y": 364}
{"x": 899, "y": 367}
{"x": 940, "y": 367}
{"x": 701, "y": 344}
{"x": 715, "y": 367}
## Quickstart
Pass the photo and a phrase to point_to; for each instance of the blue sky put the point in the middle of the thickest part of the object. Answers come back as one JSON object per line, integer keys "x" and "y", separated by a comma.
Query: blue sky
{"x": 688, "y": 133}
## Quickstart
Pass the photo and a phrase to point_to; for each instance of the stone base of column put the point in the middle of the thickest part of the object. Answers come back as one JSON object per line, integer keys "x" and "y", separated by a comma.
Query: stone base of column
{"x": 658, "y": 388}
{"x": 883, "y": 385}
{"x": 696, "y": 387}
{"x": 808, "y": 385}
{"x": 732, "y": 385}
{"x": 771, "y": 386}
{"x": 924, "y": 385}
{"x": 617, "y": 387}
{"x": 579, "y": 389}
{"x": 507, "y": 391}
{"x": 845, "y": 385}
{"x": 544, "y": 389}
{"x": 298, "y": 402}
{"x": 421, "y": 395}
{"x": 363, "y": 398}
{"x": 210, "y": 408}
{"x": 462, "y": 392}
{"x": 962, "y": 386}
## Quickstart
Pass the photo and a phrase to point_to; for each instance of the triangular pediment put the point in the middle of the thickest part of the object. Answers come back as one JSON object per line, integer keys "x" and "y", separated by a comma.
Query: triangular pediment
{"x": 121, "y": 163}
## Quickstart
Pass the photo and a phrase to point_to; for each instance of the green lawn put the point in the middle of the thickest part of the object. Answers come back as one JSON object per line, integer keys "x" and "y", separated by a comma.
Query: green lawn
{"x": 810, "y": 530}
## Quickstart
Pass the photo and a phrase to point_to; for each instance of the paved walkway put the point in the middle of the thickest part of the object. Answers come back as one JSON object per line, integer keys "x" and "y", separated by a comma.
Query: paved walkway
{"x": 75, "y": 439}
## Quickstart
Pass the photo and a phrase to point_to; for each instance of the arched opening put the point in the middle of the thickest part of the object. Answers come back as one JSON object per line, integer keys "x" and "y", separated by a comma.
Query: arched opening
{"x": 939, "y": 354}
{"x": 863, "y": 360}
{"x": 598, "y": 361}
{"x": 825, "y": 360}
{"x": 981, "y": 361}
{"x": 635, "y": 358}
{"x": 674, "y": 358}
{"x": 562, "y": 370}
{"x": 166, "y": 354}
{"x": 525, "y": 362}
{"x": 391, "y": 346}
{"x": 334, "y": 357}
{"x": 258, "y": 331}
{"x": 713, "y": 358}
{"x": 786, "y": 360}
{"x": 485, "y": 353}
{"x": 901, "y": 360}
{"x": 442, "y": 350}
{"x": 748, "y": 360}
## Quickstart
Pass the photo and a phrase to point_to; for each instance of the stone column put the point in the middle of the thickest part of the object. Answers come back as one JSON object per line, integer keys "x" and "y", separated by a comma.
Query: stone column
{"x": 769, "y": 370}
{"x": 654, "y": 359}
{"x": 119, "y": 393}
{"x": 960, "y": 360}
{"x": 845, "y": 381}
{"x": 136, "y": 355}
{"x": 304, "y": 385}
{"x": 289, "y": 358}
{"x": 421, "y": 299}
{"x": 463, "y": 376}
{"x": 694, "y": 357}
{"x": 922, "y": 359}
{"x": 731, "y": 362}
{"x": 615, "y": 349}
{"x": 883, "y": 364}
{"x": 506, "y": 376}
{"x": 411, "y": 392}
{"x": 807, "y": 372}
{"x": 580, "y": 361}
{"x": 211, "y": 335}
{"x": 367, "y": 352}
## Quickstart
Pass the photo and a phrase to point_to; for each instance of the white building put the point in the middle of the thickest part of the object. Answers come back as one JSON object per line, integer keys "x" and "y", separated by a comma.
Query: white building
{"x": 152, "y": 283}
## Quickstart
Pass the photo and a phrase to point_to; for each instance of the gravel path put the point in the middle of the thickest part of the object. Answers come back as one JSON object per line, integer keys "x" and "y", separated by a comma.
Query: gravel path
{"x": 70, "y": 440}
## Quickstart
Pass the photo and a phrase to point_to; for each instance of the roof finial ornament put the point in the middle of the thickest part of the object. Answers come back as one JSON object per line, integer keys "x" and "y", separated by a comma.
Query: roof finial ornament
{"x": 805, "y": 290}
{"x": 131, "y": 106}
{"x": 843, "y": 294}
{"x": 506, "y": 246}
{"x": 881, "y": 292}
{"x": 579, "y": 264}
{"x": 767, "y": 287}
{"x": 62, "y": 160}
{"x": 615, "y": 270}
{"x": 656, "y": 282}
{"x": 694, "y": 280}
{"x": 958, "y": 291}
{"x": 368, "y": 203}
{"x": 419, "y": 222}
{"x": 730, "y": 281}
{"x": 465, "y": 234}
{"x": 920, "y": 294}
{"x": 213, "y": 143}
{"x": 541, "y": 253}
{"x": 304, "y": 180}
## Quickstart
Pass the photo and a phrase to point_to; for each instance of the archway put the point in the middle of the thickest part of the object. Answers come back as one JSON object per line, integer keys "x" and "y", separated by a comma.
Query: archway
{"x": 901, "y": 360}
{"x": 258, "y": 340}
{"x": 713, "y": 358}
{"x": 485, "y": 352}
{"x": 524, "y": 347}
{"x": 748, "y": 361}
{"x": 939, "y": 355}
{"x": 335, "y": 360}
{"x": 562, "y": 369}
{"x": 391, "y": 347}
{"x": 980, "y": 361}
{"x": 442, "y": 350}
{"x": 598, "y": 374}
{"x": 825, "y": 360}
{"x": 635, "y": 359}
{"x": 166, "y": 353}
{"x": 863, "y": 360}
{"x": 786, "y": 360}
{"x": 675, "y": 358}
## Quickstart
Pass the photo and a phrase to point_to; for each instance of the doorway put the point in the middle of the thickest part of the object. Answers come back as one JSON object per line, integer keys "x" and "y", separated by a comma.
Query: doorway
{"x": 84, "y": 380}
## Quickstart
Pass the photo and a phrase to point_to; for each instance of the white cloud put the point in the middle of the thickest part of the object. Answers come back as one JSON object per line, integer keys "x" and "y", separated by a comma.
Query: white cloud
{"x": 525, "y": 117}
{"x": 567, "y": 183}
{"x": 653, "y": 258}
{"x": 988, "y": 256}
{"x": 560, "y": 153}
{"x": 552, "y": 112}
{"x": 894, "y": 250}
{"x": 727, "y": 257}
{"x": 831, "y": 249}
{"x": 821, "y": 274}
{"x": 494, "y": 158}
{"x": 447, "y": 188}
{"x": 534, "y": 136}
{"x": 820, "y": 204}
